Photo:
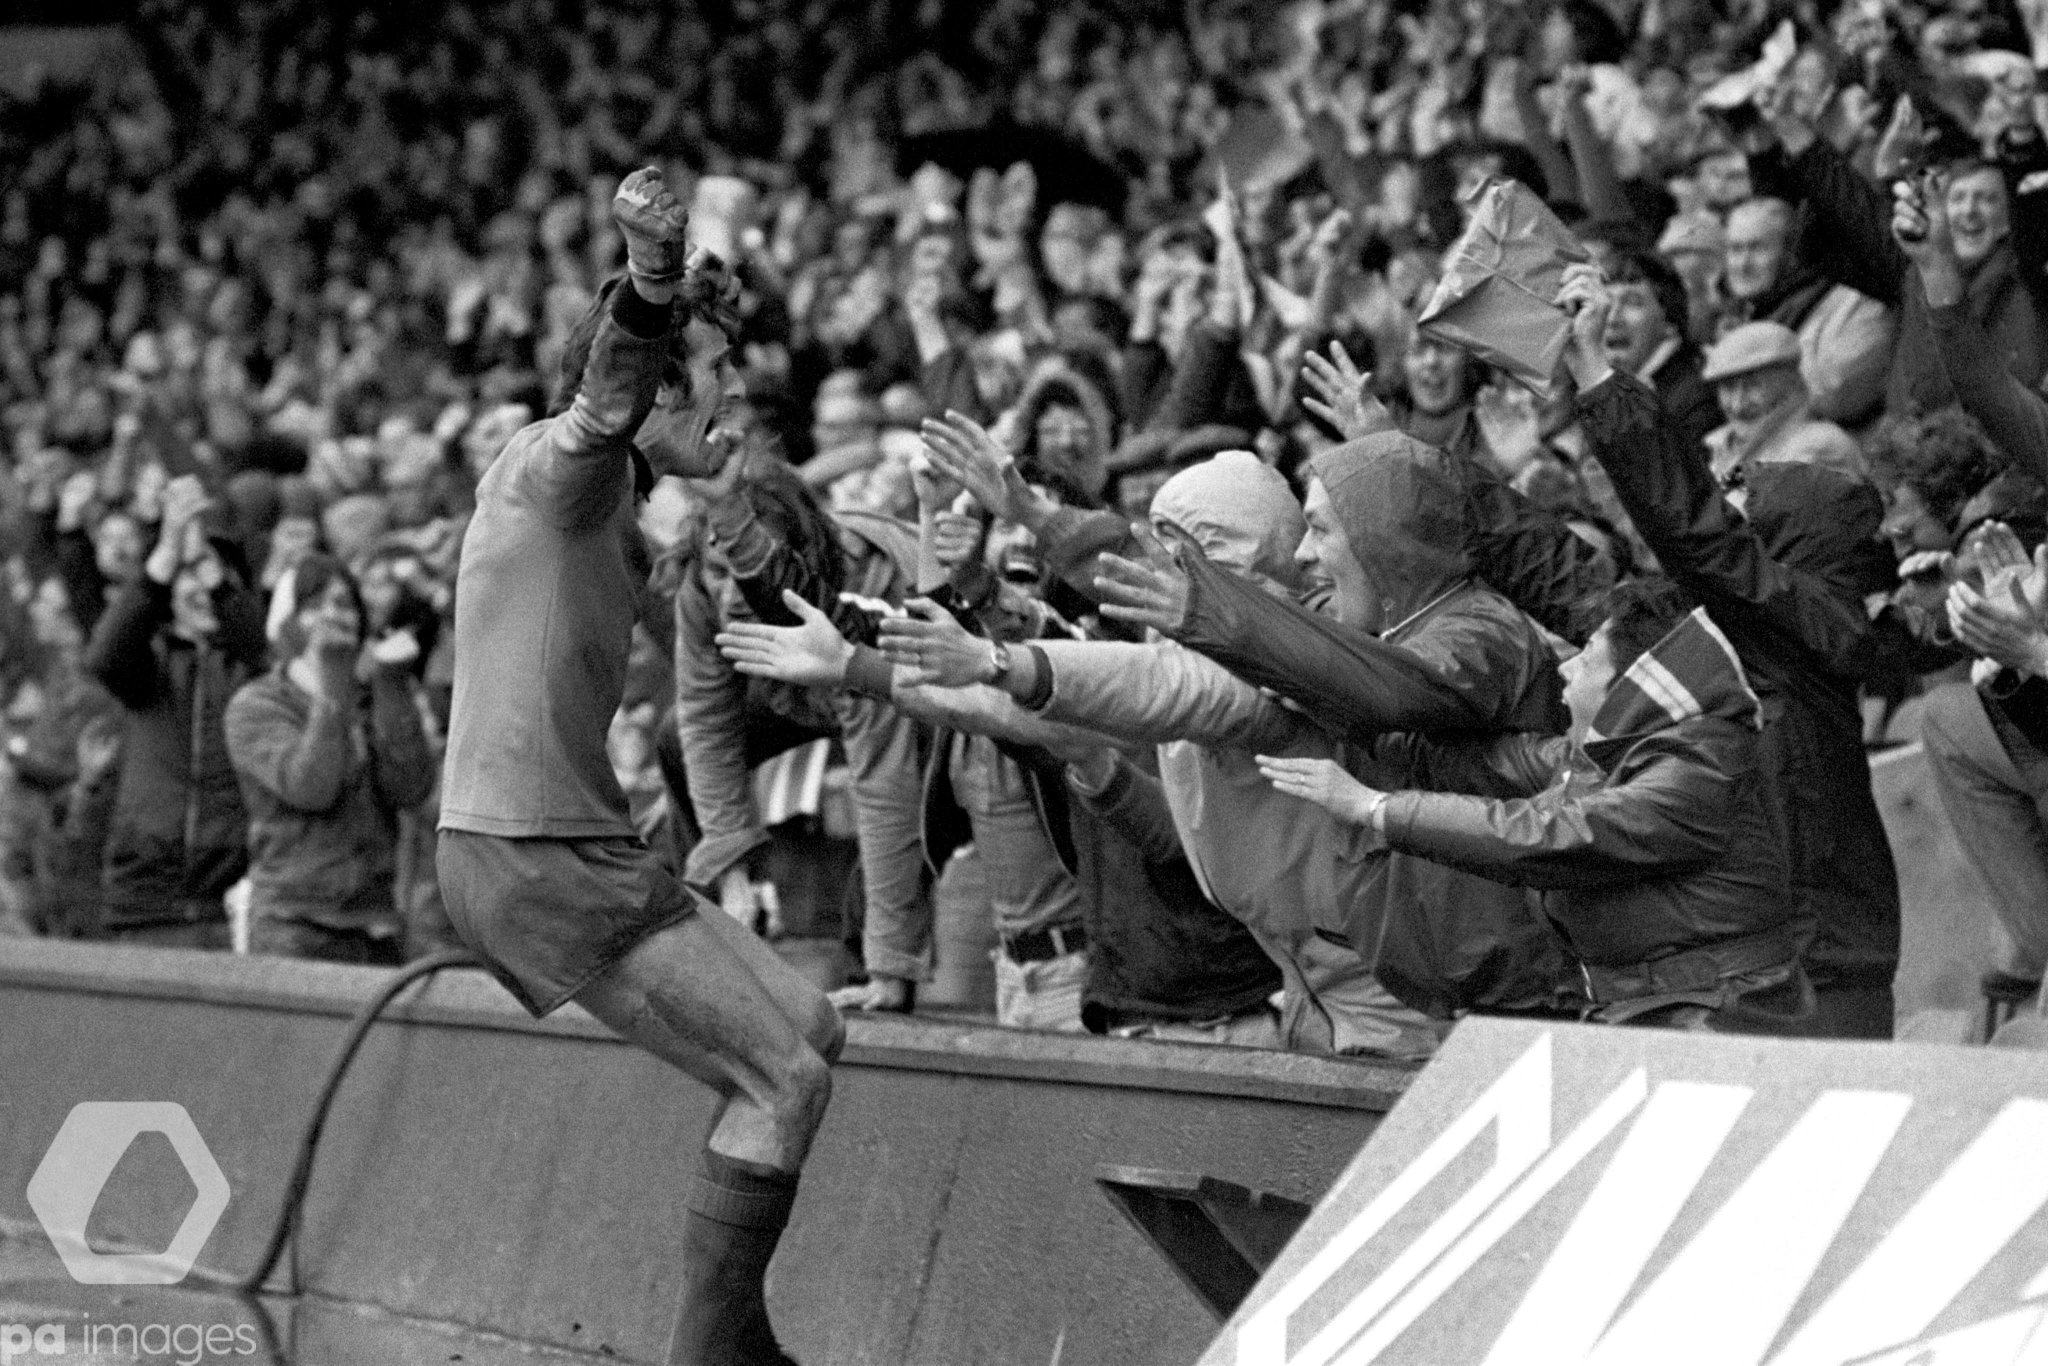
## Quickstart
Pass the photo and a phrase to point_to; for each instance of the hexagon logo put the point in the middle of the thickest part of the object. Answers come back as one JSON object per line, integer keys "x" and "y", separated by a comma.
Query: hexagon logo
{"x": 74, "y": 1171}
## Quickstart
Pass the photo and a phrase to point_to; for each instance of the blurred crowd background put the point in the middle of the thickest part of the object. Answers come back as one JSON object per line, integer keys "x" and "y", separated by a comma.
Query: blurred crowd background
{"x": 279, "y": 279}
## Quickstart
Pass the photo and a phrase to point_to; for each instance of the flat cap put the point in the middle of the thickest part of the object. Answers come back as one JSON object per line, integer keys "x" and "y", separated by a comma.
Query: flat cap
{"x": 1692, "y": 232}
{"x": 1752, "y": 346}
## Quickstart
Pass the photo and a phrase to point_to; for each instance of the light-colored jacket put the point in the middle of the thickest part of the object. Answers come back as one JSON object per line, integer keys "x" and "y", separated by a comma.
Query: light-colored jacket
{"x": 1791, "y": 436}
{"x": 1268, "y": 860}
{"x": 324, "y": 788}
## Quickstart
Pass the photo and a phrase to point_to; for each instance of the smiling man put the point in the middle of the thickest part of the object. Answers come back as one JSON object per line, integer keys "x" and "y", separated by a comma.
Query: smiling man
{"x": 1851, "y": 216}
{"x": 1755, "y": 373}
{"x": 543, "y": 871}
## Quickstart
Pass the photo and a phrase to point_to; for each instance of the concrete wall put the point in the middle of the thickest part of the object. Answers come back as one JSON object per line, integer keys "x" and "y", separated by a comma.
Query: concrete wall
{"x": 526, "y": 1178}
{"x": 1947, "y": 932}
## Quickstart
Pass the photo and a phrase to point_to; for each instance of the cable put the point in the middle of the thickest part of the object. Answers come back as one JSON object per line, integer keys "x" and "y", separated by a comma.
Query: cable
{"x": 309, "y": 1138}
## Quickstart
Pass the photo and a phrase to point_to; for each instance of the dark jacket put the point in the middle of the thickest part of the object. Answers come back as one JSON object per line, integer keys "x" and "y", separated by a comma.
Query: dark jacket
{"x": 1849, "y": 226}
{"x": 1208, "y": 385}
{"x": 2012, "y": 413}
{"x": 1687, "y": 401}
{"x": 179, "y": 834}
{"x": 1656, "y": 842}
{"x": 324, "y": 789}
{"x": 1157, "y": 948}
{"x": 1458, "y": 658}
{"x": 1788, "y": 586}
{"x": 884, "y": 750}
{"x": 1530, "y": 556}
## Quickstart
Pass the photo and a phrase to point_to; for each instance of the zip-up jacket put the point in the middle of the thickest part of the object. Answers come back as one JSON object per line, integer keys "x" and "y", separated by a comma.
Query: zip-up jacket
{"x": 179, "y": 834}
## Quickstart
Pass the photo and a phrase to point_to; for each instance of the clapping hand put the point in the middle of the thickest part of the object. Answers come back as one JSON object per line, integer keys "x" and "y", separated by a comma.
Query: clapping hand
{"x": 811, "y": 654}
{"x": 184, "y": 499}
{"x": 1999, "y": 623}
{"x": 2002, "y": 621}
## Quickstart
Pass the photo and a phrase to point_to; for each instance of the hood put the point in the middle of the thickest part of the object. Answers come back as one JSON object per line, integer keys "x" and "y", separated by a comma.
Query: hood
{"x": 1240, "y": 512}
{"x": 1059, "y": 379}
{"x": 1821, "y": 520}
{"x": 1402, "y": 507}
{"x": 1693, "y": 671}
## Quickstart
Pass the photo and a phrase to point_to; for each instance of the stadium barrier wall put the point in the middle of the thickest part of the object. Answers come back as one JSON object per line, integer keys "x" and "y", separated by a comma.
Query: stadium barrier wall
{"x": 509, "y": 1176}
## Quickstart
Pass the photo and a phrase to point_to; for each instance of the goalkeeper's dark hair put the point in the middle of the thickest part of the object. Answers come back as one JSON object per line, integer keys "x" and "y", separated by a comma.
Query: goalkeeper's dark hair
{"x": 709, "y": 291}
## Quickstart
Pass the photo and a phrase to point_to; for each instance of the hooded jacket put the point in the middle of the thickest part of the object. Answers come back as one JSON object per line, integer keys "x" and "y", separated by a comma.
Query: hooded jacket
{"x": 1468, "y": 661}
{"x": 1787, "y": 584}
{"x": 1058, "y": 379}
{"x": 1457, "y": 657}
{"x": 1655, "y": 841}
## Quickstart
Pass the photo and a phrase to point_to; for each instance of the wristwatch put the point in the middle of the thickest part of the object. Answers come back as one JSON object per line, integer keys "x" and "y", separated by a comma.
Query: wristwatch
{"x": 998, "y": 662}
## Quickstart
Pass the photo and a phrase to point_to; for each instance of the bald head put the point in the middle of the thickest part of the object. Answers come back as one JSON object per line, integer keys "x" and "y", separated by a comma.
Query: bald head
{"x": 1759, "y": 246}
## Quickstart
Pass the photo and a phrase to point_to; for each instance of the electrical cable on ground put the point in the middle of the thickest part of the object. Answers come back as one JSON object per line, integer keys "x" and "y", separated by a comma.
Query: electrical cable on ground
{"x": 309, "y": 1137}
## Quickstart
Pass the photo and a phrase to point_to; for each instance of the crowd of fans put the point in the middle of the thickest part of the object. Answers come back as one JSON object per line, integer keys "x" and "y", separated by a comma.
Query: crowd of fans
{"x": 1087, "y": 494}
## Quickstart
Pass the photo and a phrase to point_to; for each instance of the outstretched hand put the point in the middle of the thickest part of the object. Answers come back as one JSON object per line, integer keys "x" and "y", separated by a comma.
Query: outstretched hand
{"x": 938, "y": 650}
{"x": 1154, "y": 592}
{"x": 654, "y": 223}
{"x": 1340, "y": 397}
{"x": 964, "y": 451}
{"x": 1324, "y": 782}
{"x": 812, "y": 654}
